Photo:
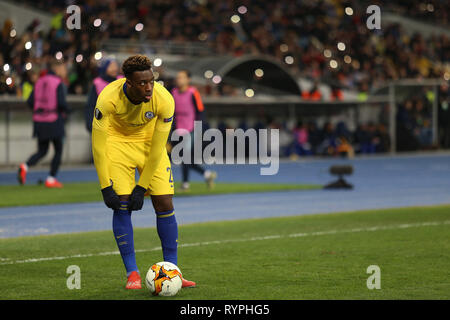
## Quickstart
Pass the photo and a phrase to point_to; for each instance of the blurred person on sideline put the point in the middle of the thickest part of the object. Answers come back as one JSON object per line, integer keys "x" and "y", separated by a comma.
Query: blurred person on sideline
{"x": 314, "y": 136}
{"x": 189, "y": 108}
{"x": 50, "y": 109}
{"x": 286, "y": 140}
{"x": 343, "y": 141}
{"x": 301, "y": 145}
{"x": 28, "y": 84}
{"x": 328, "y": 145}
{"x": 108, "y": 72}
{"x": 363, "y": 138}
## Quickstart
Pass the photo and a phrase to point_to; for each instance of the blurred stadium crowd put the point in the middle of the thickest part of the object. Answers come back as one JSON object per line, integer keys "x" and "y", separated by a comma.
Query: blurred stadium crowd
{"x": 432, "y": 11}
{"x": 323, "y": 41}
{"x": 320, "y": 40}
{"x": 307, "y": 138}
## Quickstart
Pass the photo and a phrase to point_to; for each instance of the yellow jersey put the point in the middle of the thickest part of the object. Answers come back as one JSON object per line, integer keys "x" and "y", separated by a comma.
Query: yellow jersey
{"x": 116, "y": 118}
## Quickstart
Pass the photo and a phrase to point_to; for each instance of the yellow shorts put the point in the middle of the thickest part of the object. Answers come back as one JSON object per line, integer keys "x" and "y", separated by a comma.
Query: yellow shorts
{"x": 126, "y": 157}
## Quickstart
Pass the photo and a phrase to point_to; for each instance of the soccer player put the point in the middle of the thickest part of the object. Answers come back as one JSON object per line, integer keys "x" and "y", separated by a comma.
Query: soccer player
{"x": 189, "y": 108}
{"x": 48, "y": 102}
{"x": 132, "y": 121}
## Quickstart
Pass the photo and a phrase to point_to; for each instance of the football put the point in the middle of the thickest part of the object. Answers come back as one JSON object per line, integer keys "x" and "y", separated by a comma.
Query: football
{"x": 163, "y": 279}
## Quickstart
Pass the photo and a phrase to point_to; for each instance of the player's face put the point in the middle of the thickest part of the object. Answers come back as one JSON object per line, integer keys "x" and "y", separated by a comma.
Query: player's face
{"x": 60, "y": 70}
{"x": 182, "y": 80}
{"x": 141, "y": 85}
{"x": 113, "y": 69}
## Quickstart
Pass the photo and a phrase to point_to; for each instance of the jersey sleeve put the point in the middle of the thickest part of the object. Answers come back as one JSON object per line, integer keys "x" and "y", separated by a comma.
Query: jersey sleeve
{"x": 100, "y": 123}
{"x": 90, "y": 106}
{"x": 198, "y": 101}
{"x": 158, "y": 147}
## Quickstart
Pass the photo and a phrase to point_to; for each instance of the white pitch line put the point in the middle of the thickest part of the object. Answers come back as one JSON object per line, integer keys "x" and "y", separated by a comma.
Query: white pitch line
{"x": 259, "y": 238}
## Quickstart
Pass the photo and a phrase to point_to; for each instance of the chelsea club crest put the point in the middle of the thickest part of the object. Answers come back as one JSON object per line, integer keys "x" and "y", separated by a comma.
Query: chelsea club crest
{"x": 149, "y": 115}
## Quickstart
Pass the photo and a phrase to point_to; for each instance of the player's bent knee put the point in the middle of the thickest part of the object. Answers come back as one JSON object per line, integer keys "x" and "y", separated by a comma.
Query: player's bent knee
{"x": 162, "y": 203}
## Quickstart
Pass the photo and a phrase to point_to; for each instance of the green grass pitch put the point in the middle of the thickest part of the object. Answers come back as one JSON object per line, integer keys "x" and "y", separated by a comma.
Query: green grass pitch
{"x": 302, "y": 257}
{"x": 29, "y": 195}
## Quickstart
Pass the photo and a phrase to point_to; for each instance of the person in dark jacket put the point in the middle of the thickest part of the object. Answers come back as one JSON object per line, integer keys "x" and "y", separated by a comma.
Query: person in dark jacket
{"x": 108, "y": 72}
{"x": 50, "y": 109}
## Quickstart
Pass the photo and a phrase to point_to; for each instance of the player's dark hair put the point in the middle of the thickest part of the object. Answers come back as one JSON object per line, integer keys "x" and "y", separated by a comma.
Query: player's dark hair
{"x": 136, "y": 63}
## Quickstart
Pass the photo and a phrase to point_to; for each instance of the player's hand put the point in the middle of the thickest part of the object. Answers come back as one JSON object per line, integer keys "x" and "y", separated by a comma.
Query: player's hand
{"x": 111, "y": 198}
{"x": 137, "y": 198}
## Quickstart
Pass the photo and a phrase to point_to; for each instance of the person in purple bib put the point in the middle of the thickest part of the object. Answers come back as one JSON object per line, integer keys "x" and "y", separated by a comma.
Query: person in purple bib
{"x": 108, "y": 72}
{"x": 48, "y": 102}
{"x": 189, "y": 108}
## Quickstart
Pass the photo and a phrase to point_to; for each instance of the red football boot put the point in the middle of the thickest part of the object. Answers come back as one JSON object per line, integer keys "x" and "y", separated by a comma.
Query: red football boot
{"x": 22, "y": 173}
{"x": 53, "y": 183}
{"x": 134, "y": 281}
{"x": 187, "y": 284}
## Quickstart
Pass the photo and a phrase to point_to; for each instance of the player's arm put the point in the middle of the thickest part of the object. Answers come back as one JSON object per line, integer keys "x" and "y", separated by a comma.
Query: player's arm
{"x": 90, "y": 106}
{"x": 198, "y": 103}
{"x": 100, "y": 124}
{"x": 157, "y": 149}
